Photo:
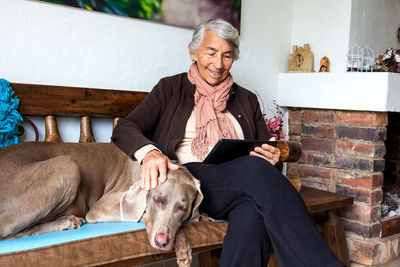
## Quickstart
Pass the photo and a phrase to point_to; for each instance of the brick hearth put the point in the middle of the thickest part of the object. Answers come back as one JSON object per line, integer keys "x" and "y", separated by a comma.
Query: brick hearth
{"x": 343, "y": 152}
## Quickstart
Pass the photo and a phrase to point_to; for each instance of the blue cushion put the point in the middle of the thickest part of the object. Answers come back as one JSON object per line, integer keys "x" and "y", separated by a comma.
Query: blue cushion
{"x": 85, "y": 231}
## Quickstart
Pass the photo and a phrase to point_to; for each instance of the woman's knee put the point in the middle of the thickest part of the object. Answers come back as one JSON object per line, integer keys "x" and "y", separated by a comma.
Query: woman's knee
{"x": 259, "y": 173}
{"x": 246, "y": 222}
{"x": 257, "y": 166}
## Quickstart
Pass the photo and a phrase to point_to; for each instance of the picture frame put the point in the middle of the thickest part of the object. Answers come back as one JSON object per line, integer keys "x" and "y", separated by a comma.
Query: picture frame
{"x": 187, "y": 13}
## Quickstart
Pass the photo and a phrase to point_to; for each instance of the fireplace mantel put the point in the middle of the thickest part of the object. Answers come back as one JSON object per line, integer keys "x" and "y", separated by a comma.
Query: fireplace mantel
{"x": 376, "y": 91}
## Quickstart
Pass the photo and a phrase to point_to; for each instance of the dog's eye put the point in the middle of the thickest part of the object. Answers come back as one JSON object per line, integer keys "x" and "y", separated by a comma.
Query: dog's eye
{"x": 159, "y": 203}
{"x": 182, "y": 208}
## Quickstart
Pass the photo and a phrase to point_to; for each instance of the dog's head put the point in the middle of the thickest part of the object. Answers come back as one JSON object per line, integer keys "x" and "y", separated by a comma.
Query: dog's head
{"x": 165, "y": 208}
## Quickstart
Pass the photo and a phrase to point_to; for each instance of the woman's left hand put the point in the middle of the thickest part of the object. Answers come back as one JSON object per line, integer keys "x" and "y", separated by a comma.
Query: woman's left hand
{"x": 267, "y": 152}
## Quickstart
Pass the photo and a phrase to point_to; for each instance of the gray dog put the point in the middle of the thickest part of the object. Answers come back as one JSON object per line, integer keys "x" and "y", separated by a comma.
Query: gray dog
{"x": 48, "y": 187}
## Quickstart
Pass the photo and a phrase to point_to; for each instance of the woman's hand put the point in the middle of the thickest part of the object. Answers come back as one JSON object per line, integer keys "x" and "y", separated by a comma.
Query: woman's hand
{"x": 267, "y": 152}
{"x": 154, "y": 165}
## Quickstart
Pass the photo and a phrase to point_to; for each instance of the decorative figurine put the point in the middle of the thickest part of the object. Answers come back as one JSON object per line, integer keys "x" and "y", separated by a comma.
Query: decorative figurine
{"x": 398, "y": 34}
{"x": 324, "y": 65}
{"x": 301, "y": 59}
{"x": 389, "y": 61}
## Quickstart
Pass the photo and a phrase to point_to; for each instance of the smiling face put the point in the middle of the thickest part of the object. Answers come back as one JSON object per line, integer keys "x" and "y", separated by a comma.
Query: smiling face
{"x": 214, "y": 58}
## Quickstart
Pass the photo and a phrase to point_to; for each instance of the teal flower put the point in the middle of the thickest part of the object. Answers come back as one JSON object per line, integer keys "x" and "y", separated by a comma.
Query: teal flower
{"x": 9, "y": 115}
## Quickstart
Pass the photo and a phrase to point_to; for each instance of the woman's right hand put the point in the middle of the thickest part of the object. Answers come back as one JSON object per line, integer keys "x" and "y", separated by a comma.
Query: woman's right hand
{"x": 154, "y": 165}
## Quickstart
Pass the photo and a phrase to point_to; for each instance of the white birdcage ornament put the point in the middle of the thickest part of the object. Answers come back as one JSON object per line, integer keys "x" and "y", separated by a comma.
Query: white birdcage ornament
{"x": 368, "y": 59}
{"x": 355, "y": 59}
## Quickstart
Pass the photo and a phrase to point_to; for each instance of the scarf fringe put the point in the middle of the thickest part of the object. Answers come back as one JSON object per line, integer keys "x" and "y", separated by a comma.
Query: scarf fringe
{"x": 206, "y": 138}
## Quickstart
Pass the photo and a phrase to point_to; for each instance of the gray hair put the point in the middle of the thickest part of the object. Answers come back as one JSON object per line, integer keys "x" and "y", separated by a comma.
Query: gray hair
{"x": 224, "y": 29}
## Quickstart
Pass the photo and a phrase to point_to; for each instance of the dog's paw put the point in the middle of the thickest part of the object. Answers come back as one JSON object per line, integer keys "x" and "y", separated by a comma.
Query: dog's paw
{"x": 69, "y": 222}
{"x": 183, "y": 250}
{"x": 205, "y": 217}
{"x": 184, "y": 257}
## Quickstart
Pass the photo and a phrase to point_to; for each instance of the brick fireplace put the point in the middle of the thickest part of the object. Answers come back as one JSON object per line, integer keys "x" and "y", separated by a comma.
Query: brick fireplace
{"x": 346, "y": 150}
{"x": 343, "y": 152}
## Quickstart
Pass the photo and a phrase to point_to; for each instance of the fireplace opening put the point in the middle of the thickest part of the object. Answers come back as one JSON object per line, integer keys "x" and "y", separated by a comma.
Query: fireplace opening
{"x": 390, "y": 212}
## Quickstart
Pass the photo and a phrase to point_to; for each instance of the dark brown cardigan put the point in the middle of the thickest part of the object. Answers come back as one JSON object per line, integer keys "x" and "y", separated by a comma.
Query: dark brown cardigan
{"x": 162, "y": 116}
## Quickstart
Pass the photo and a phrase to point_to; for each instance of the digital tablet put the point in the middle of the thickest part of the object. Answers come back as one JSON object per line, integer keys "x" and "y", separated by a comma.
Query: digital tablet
{"x": 228, "y": 149}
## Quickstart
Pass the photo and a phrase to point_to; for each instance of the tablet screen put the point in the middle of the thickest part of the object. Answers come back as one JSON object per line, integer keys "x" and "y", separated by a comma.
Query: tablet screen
{"x": 228, "y": 149}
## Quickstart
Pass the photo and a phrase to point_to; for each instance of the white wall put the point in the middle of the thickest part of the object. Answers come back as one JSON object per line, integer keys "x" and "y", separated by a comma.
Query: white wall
{"x": 325, "y": 25}
{"x": 331, "y": 27}
{"x": 266, "y": 28}
{"x": 51, "y": 44}
{"x": 375, "y": 24}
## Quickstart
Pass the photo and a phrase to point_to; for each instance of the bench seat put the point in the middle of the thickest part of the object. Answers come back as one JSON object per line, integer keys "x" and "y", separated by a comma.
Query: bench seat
{"x": 125, "y": 244}
{"x": 125, "y": 248}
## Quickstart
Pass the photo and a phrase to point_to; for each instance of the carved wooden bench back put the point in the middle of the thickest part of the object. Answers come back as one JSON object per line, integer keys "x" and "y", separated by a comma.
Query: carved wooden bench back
{"x": 51, "y": 101}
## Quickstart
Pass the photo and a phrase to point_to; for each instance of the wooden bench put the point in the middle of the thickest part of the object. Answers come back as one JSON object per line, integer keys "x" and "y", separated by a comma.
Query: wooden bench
{"x": 53, "y": 101}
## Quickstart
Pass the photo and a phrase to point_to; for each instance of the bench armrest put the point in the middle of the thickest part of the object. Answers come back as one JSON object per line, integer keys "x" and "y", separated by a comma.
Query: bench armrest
{"x": 290, "y": 150}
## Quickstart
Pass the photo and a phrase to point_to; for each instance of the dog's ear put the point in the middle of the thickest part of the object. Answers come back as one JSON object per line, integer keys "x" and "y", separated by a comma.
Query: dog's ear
{"x": 197, "y": 201}
{"x": 133, "y": 203}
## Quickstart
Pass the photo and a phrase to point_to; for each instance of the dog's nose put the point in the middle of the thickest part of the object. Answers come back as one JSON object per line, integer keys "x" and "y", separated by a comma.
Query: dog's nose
{"x": 161, "y": 240}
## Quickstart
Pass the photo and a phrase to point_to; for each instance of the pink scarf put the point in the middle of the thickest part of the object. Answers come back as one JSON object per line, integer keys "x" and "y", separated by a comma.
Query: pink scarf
{"x": 211, "y": 123}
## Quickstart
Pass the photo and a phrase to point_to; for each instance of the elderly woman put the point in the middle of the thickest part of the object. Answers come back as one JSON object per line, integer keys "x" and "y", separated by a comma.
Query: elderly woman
{"x": 182, "y": 119}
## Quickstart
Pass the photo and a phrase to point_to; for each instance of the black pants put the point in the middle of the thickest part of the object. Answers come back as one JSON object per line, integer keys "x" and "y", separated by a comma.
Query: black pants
{"x": 262, "y": 208}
